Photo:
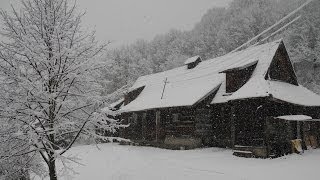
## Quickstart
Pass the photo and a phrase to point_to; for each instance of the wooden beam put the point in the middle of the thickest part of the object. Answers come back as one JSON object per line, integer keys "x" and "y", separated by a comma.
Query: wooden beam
{"x": 267, "y": 135}
{"x": 273, "y": 26}
{"x": 144, "y": 122}
{"x": 276, "y": 32}
{"x": 233, "y": 127}
{"x": 298, "y": 130}
{"x": 157, "y": 125}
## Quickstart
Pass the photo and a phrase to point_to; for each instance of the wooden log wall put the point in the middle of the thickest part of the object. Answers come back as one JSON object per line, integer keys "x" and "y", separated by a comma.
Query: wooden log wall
{"x": 181, "y": 124}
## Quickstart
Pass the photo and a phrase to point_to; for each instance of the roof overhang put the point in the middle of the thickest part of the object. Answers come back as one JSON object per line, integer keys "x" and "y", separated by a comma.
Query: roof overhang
{"x": 240, "y": 67}
{"x": 295, "y": 118}
{"x": 116, "y": 104}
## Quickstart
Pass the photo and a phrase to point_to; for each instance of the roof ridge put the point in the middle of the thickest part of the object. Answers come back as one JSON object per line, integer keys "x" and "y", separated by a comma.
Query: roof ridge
{"x": 215, "y": 58}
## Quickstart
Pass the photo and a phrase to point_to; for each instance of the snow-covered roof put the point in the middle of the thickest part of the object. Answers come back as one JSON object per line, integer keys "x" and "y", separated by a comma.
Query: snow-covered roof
{"x": 295, "y": 118}
{"x": 192, "y": 60}
{"x": 241, "y": 65}
{"x": 298, "y": 95}
{"x": 175, "y": 93}
{"x": 185, "y": 87}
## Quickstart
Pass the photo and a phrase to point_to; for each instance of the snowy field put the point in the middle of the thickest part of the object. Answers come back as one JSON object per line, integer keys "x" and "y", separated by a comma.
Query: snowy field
{"x": 115, "y": 162}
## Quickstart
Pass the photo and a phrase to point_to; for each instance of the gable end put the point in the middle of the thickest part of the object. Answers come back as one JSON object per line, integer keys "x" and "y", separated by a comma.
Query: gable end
{"x": 281, "y": 68}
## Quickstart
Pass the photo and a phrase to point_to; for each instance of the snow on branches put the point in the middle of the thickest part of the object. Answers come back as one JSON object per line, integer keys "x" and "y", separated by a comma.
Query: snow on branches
{"x": 48, "y": 69}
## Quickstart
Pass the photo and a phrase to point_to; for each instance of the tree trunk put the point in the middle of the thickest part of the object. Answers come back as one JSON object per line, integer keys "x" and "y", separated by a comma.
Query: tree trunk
{"x": 52, "y": 169}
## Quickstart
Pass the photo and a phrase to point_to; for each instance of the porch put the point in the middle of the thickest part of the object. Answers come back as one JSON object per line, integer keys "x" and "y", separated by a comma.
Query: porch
{"x": 276, "y": 136}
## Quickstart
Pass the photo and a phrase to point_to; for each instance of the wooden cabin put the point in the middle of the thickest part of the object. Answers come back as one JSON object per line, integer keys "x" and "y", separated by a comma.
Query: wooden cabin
{"x": 231, "y": 101}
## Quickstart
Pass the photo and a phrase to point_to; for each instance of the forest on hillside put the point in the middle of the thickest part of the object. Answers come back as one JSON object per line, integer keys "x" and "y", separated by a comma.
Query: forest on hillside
{"x": 220, "y": 31}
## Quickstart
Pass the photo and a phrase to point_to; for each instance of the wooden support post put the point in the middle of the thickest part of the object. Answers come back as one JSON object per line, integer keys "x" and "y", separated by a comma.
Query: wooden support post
{"x": 298, "y": 130}
{"x": 144, "y": 123}
{"x": 233, "y": 127}
{"x": 267, "y": 135}
{"x": 134, "y": 118}
{"x": 135, "y": 127}
{"x": 157, "y": 125}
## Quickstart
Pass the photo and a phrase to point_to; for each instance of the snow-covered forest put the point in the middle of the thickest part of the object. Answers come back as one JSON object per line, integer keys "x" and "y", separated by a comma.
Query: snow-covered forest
{"x": 56, "y": 78}
{"x": 220, "y": 31}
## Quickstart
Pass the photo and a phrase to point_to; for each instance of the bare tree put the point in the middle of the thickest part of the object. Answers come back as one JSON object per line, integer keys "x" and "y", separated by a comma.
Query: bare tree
{"x": 49, "y": 89}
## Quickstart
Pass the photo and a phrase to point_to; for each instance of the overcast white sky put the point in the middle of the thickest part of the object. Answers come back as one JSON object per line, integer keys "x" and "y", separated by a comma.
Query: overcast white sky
{"x": 124, "y": 21}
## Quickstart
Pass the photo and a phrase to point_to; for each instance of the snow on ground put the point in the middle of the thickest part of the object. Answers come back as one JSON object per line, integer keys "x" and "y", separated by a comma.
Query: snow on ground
{"x": 116, "y": 162}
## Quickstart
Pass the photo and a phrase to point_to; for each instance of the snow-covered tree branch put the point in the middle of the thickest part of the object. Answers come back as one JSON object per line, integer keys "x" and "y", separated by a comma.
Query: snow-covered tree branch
{"x": 49, "y": 90}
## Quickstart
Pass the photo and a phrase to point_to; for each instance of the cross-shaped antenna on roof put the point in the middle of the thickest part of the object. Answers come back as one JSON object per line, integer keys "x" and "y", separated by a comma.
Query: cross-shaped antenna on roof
{"x": 164, "y": 86}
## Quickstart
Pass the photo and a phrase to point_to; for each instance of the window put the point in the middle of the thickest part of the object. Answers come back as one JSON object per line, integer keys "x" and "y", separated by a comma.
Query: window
{"x": 175, "y": 117}
{"x": 236, "y": 78}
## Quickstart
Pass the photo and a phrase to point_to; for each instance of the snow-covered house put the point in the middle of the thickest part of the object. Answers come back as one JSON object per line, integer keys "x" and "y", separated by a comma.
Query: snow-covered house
{"x": 229, "y": 101}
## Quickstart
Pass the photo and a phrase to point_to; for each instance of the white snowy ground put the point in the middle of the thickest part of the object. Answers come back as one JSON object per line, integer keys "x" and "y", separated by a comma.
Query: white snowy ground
{"x": 116, "y": 162}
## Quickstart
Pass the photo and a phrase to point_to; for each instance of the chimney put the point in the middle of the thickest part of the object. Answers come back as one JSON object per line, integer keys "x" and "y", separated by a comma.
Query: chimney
{"x": 192, "y": 62}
